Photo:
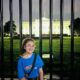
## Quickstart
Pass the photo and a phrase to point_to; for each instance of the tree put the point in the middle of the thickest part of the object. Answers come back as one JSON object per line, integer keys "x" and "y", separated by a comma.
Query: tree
{"x": 76, "y": 26}
{"x": 7, "y": 27}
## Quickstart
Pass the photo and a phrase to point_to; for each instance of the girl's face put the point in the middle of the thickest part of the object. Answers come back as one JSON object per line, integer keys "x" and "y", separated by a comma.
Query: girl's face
{"x": 29, "y": 47}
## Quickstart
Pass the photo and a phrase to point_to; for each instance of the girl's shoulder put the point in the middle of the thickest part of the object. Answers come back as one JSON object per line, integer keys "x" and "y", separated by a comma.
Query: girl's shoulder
{"x": 20, "y": 58}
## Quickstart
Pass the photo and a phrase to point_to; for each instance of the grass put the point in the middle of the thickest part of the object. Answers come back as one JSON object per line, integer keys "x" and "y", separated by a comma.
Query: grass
{"x": 45, "y": 47}
{"x": 45, "y": 44}
{"x": 45, "y": 50}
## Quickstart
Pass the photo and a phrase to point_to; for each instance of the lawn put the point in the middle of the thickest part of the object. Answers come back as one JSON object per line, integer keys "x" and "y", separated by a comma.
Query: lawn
{"x": 45, "y": 50}
{"x": 45, "y": 47}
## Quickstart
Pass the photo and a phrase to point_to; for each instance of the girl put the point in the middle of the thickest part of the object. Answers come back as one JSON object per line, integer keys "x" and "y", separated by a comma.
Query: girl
{"x": 26, "y": 62}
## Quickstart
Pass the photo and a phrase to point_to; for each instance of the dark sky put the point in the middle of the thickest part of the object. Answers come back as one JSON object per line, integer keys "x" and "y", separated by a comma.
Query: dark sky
{"x": 35, "y": 9}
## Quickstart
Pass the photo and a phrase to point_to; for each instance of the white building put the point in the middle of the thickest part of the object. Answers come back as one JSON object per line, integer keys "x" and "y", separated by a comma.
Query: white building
{"x": 46, "y": 27}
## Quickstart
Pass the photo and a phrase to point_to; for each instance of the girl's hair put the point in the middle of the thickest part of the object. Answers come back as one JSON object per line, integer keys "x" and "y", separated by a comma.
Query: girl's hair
{"x": 24, "y": 43}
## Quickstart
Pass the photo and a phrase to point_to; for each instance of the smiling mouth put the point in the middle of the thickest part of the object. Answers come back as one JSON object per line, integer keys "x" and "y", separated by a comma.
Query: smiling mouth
{"x": 30, "y": 49}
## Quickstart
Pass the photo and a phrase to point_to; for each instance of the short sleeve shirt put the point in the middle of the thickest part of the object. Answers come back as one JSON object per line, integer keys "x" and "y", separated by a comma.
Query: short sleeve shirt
{"x": 25, "y": 64}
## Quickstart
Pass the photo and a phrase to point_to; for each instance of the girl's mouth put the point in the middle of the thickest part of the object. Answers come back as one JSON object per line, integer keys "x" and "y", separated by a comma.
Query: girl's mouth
{"x": 30, "y": 49}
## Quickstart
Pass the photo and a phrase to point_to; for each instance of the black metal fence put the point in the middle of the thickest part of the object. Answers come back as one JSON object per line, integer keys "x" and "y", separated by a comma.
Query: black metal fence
{"x": 2, "y": 64}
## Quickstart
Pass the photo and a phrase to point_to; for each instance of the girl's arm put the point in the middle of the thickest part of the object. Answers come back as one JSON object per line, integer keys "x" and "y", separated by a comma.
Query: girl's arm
{"x": 41, "y": 74}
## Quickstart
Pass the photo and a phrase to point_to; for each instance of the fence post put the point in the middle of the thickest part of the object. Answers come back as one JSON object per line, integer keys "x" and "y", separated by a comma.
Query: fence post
{"x": 72, "y": 40}
{"x": 61, "y": 39}
{"x": 40, "y": 27}
{"x": 30, "y": 18}
{"x": 20, "y": 22}
{"x": 1, "y": 41}
{"x": 11, "y": 38}
{"x": 50, "y": 40}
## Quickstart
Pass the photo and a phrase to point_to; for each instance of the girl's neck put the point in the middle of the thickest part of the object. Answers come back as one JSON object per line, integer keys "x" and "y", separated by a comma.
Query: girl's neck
{"x": 27, "y": 55}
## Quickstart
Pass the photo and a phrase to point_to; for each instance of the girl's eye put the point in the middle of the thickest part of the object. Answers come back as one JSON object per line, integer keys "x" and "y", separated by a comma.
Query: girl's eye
{"x": 29, "y": 45}
{"x": 33, "y": 46}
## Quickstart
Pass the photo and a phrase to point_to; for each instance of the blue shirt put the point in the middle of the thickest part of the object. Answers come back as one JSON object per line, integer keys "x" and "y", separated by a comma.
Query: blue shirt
{"x": 24, "y": 66}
